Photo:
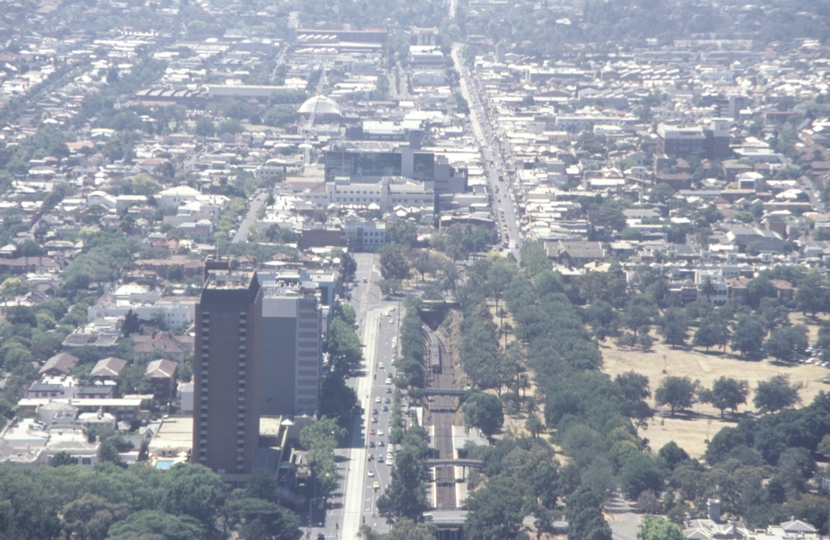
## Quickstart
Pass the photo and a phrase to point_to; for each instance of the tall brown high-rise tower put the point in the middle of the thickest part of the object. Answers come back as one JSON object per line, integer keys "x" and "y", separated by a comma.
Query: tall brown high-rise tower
{"x": 226, "y": 366}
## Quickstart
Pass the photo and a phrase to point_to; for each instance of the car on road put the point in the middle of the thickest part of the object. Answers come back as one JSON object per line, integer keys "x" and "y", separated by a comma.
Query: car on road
{"x": 380, "y": 433}
{"x": 371, "y": 432}
{"x": 380, "y": 365}
{"x": 388, "y": 380}
{"x": 371, "y": 444}
{"x": 377, "y": 399}
{"x": 380, "y": 458}
{"x": 388, "y": 390}
{"x": 385, "y": 408}
{"x": 374, "y": 411}
{"x": 381, "y": 443}
{"x": 374, "y": 419}
{"x": 371, "y": 473}
{"x": 376, "y": 485}
{"x": 387, "y": 400}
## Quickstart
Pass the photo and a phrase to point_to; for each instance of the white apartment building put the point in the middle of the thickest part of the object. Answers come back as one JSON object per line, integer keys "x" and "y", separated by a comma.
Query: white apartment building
{"x": 386, "y": 195}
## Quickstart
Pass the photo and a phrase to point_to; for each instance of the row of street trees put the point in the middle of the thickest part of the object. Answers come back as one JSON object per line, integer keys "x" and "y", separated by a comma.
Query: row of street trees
{"x": 114, "y": 503}
{"x": 760, "y": 469}
{"x": 774, "y": 394}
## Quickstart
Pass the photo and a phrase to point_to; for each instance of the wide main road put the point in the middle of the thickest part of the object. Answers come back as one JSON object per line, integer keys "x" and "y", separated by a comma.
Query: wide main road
{"x": 378, "y": 327}
{"x": 505, "y": 209}
{"x": 359, "y": 491}
{"x": 244, "y": 226}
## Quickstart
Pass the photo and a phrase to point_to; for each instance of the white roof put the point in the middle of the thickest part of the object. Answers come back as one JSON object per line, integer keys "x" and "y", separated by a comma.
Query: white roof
{"x": 320, "y": 105}
{"x": 180, "y": 191}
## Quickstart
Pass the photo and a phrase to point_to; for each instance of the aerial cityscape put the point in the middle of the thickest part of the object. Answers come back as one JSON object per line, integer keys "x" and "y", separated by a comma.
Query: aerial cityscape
{"x": 437, "y": 269}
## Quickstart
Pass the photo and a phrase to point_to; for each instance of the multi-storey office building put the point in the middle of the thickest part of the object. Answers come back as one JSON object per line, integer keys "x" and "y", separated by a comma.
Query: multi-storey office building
{"x": 227, "y": 370}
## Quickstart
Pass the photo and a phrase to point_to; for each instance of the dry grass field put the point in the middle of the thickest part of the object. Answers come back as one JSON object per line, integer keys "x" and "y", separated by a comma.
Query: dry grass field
{"x": 690, "y": 430}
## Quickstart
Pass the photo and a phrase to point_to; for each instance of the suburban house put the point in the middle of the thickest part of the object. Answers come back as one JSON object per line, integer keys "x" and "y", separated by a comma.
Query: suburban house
{"x": 108, "y": 369}
{"x": 162, "y": 375}
{"x": 715, "y": 527}
{"x": 60, "y": 364}
{"x": 577, "y": 253}
{"x": 162, "y": 344}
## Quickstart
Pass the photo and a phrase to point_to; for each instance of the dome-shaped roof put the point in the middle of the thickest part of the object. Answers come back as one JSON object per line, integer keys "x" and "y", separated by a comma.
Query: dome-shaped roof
{"x": 320, "y": 105}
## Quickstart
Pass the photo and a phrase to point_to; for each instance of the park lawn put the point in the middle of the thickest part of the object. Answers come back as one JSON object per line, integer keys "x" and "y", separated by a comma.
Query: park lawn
{"x": 690, "y": 430}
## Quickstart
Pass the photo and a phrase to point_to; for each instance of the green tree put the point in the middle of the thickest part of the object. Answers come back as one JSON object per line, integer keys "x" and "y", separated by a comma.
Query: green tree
{"x": 726, "y": 393}
{"x": 131, "y": 324}
{"x": 89, "y": 517}
{"x": 758, "y": 288}
{"x": 707, "y": 289}
{"x": 634, "y": 388}
{"x": 152, "y": 524}
{"x": 674, "y": 326}
{"x": 338, "y": 399}
{"x": 405, "y": 496}
{"x": 320, "y": 439}
{"x": 343, "y": 345}
{"x": 584, "y": 515}
{"x": 534, "y": 258}
{"x": 812, "y": 294}
{"x": 204, "y": 127}
{"x": 499, "y": 276}
{"x": 393, "y": 263}
{"x": 534, "y": 425}
{"x": 785, "y": 344}
{"x": 659, "y": 528}
{"x": 495, "y": 511}
{"x": 672, "y": 454}
{"x": 676, "y": 392}
{"x": 407, "y": 529}
{"x": 639, "y": 473}
{"x": 229, "y": 125}
{"x": 639, "y": 315}
{"x": 280, "y": 115}
{"x": 63, "y": 458}
{"x": 261, "y": 484}
{"x": 483, "y": 411}
{"x": 661, "y": 193}
{"x": 712, "y": 332}
{"x": 748, "y": 337}
{"x": 195, "y": 491}
{"x": 402, "y": 232}
{"x": 776, "y": 393}
{"x": 265, "y": 520}
{"x": 134, "y": 380}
